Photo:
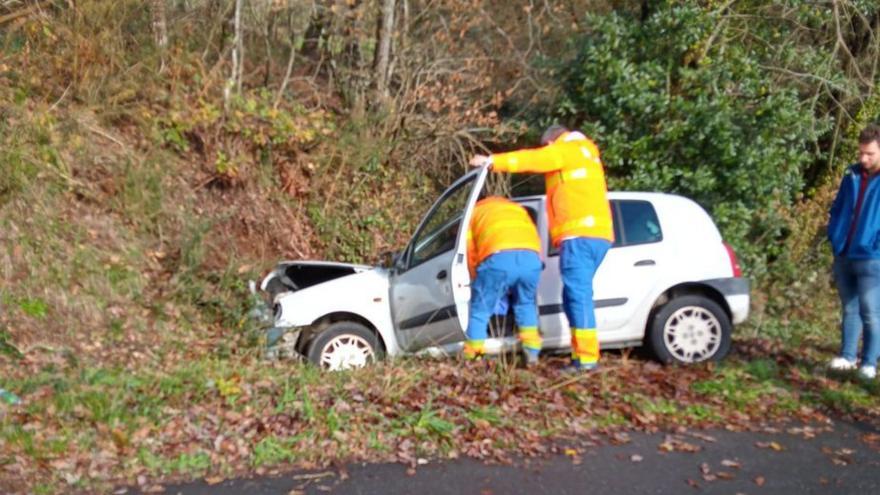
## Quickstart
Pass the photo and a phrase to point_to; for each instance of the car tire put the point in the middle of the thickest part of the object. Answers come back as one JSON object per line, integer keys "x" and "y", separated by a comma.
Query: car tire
{"x": 690, "y": 329}
{"x": 344, "y": 345}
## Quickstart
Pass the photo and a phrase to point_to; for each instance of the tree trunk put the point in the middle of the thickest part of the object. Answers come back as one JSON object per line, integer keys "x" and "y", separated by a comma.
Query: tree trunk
{"x": 382, "y": 59}
{"x": 645, "y": 11}
{"x": 234, "y": 81}
{"x": 160, "y": 30}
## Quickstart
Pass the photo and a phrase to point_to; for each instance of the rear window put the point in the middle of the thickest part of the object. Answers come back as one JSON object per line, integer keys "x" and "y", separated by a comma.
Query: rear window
{"x": 635, "y": 222}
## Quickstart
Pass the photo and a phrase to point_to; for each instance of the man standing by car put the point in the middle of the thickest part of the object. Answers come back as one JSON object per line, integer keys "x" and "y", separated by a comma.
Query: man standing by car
{"x": 580, "y": 223}
{"x": 854, "y": 232}
{"x": 503, "y": 254}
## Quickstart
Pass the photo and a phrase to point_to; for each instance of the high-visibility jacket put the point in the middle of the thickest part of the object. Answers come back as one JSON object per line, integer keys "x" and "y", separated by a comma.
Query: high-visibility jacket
{"x": 577, "y": 195}
{"x": 498, "y": 224}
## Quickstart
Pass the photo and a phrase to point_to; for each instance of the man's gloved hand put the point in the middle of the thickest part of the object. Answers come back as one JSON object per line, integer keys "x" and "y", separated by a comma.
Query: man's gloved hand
{"x": 480, "y": 160}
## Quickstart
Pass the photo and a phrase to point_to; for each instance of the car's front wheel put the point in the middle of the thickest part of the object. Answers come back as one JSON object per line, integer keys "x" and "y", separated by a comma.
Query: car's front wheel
{"x": 344, "y": 345}
{"x": 690, "y": 329}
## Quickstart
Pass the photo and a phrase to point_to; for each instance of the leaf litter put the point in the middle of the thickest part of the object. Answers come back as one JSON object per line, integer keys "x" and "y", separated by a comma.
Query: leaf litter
{"x": 255, "y": 416}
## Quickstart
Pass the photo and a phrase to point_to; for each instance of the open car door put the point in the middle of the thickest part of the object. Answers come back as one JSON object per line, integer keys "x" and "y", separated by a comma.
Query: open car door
{"x": 430, "y": 284}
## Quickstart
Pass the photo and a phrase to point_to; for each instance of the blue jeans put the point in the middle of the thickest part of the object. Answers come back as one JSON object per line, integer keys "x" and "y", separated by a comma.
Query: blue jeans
{"x": 519, "y": 270}
{"x": 858, "y": 283}
{"x": 579, "y": 258}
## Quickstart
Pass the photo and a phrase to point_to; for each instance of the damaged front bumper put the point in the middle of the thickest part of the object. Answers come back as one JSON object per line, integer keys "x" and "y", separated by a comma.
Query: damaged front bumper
{"x": 277, "y": 342}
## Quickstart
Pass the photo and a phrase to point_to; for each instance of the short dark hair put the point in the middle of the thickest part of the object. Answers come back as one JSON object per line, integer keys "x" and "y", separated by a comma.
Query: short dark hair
{"x": 552, "y": 134}
{"x": 869, "y": 134}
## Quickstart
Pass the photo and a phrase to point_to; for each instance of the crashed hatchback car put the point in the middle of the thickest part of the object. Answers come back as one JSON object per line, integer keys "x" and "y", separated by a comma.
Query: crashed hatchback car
{"x": 668, "y": 282}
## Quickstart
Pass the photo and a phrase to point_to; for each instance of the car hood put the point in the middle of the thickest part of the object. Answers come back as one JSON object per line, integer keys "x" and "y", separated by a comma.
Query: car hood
{"x": 363, "y": 292}
{"x": 293, "y": 276}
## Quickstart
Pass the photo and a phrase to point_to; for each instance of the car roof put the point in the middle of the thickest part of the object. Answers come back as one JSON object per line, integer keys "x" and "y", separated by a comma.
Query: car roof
{"x": 654, "y": 197}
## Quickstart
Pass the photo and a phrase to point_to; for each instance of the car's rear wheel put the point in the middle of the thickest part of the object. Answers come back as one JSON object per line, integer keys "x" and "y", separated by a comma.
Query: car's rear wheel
{"x": 344, "y": 345}
{"x": 690, "y": 329}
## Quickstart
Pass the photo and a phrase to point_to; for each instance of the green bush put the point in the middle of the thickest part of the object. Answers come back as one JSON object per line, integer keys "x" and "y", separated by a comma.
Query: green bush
{"x": 676, "y": 111}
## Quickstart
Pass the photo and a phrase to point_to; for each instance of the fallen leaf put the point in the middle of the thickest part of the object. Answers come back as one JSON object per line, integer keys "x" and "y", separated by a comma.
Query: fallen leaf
{"x": 731, "y": 464}
{"x": 693, "y": 483}
{"x": 620, "y": 438}
{"x": 71, "y": 478}
{"x": 636, "y": 458}
{"x": 571, "y": 452}
{"x": 213, "y": 480}
{"x": 676, "y": 444}
{"x": 759, "y": 480}
{"x": 702, "y": 436}
{"x": 704, "y": 468}
{"x": 724, "y": 475}
{"x": 770, "y": 445}
{"x": 313, "y": 476}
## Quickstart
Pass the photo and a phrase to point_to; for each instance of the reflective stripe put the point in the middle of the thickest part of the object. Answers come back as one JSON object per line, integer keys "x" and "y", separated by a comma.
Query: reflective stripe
{"x": 585, "y": 345}
{"x": 473, "y": 348}
{"x": 588, "y": 221}
{"x": 498, "y": 225}
{"x": 555, "y": 178}
{"x": 530, "y": 338}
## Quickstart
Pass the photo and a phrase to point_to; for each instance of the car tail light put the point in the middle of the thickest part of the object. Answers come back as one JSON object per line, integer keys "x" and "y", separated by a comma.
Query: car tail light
{"x": 734, "y": 264}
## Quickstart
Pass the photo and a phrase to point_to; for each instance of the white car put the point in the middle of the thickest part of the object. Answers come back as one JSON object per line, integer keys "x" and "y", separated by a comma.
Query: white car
{"x": 669, "y": 282}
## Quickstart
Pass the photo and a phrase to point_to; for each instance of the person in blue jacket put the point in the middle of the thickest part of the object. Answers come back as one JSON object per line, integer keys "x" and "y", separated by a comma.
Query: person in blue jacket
{"x": 854, "y": 232}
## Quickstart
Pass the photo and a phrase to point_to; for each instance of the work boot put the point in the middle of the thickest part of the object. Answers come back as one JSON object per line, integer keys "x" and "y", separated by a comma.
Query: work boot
{"x": 576, "y": 367}
{"x": 530, "y": 357}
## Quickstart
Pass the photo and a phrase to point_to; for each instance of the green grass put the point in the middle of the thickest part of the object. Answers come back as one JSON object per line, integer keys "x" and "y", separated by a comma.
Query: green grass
{"x": 744, "y": 385}
{"x": 36, "y": 307}
{"x": 272, "y": 450}
{"x": 489, "y": 414}
{"x": 190, "y": 464}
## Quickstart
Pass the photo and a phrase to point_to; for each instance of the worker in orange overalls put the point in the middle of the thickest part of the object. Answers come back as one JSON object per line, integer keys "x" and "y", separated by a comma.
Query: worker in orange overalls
{"x": 580, "y": 223}
{"x": 503, "y": 255}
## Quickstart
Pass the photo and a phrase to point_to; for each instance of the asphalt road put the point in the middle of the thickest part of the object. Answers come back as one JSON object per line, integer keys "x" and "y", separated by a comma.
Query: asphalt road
{"x": 841, "y": 458}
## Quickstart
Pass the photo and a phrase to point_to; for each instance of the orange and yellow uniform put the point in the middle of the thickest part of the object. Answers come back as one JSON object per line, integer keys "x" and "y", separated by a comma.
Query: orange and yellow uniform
{"x": 503, "y": 254}
{"x": 498, "y": 224}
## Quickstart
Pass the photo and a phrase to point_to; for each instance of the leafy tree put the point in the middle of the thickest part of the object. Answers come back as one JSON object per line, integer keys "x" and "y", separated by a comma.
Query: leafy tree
{"x": 675, "y": 110}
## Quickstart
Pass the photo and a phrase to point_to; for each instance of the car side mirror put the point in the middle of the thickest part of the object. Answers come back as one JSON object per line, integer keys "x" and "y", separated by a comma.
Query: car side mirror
{"x": 390, "y": 259}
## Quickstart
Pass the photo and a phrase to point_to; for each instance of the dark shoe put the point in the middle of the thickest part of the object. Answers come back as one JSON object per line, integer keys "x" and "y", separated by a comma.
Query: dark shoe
{"x": 575, "y": 368}
{"x": 530, "y": 357}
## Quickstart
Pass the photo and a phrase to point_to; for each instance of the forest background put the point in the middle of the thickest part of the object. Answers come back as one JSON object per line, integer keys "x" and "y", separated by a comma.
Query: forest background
{"x": 155, "y": 155}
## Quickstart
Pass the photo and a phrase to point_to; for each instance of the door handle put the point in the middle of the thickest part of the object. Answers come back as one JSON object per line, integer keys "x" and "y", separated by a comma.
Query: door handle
{"x": 645, "y": 263}
{"x": 441, "y": 275}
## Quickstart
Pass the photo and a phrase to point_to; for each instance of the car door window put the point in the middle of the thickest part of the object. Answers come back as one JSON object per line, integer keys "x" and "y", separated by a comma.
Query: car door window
{"x": 439, "y": 231}
{"x": 635, "y": 222}
{"x": 640, "y": 224}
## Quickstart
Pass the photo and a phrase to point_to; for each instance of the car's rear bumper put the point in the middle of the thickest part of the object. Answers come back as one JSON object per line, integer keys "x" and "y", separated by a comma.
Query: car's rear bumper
{"x": 736, "y": 292}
